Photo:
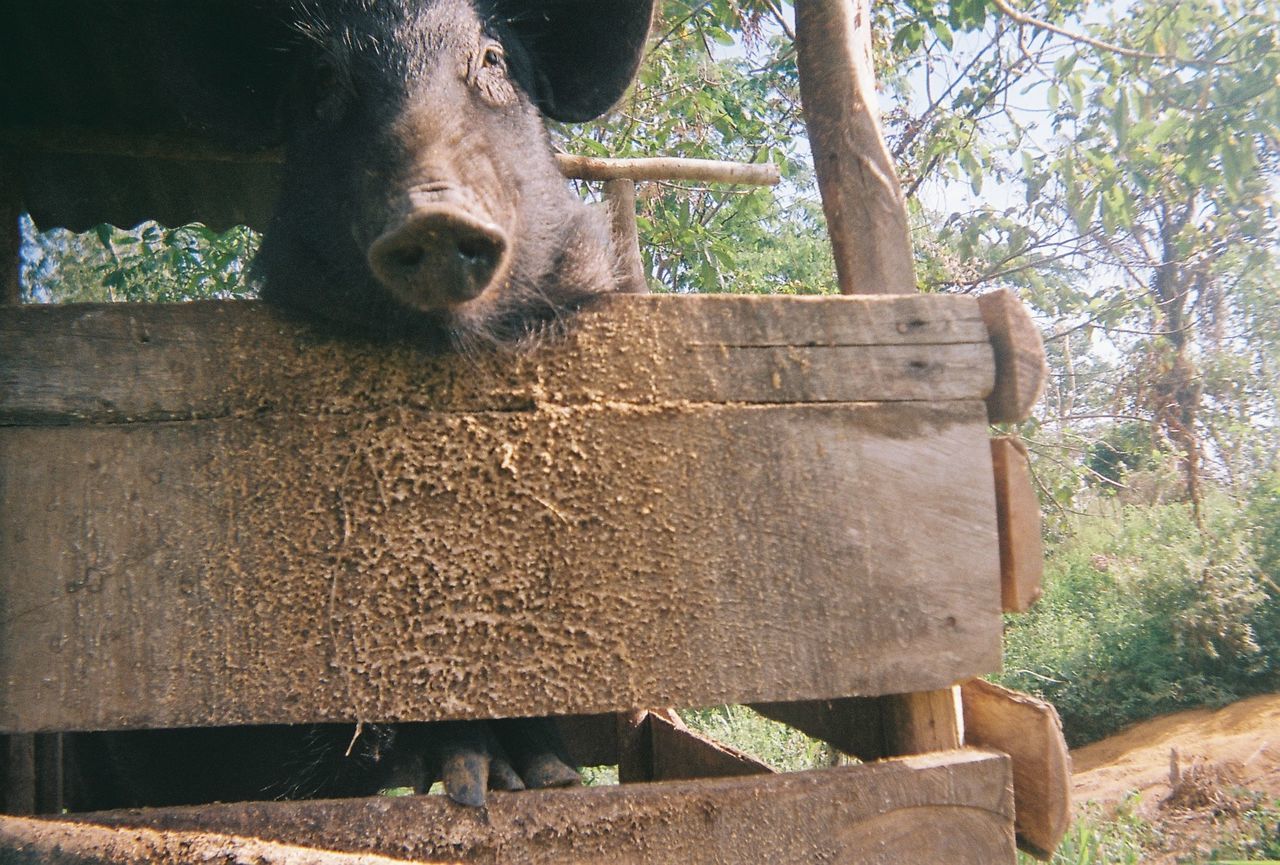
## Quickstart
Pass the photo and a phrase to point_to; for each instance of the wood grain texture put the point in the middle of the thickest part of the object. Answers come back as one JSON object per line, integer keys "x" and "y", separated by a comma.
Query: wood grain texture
{"x": 406, "y": 564}
{"x": 865, "y": 210}
{"x": 854, "y": 725}
{"x": 924, "y": 721}
{"x": 136, "y": 362}
{"x": 215, "y": 517}
{"x": 1020, "y": 361}
{"x": 1018, "y": 518}
{"x": 1030, "y": 732}
{"x": 953, "y": 807}
{"x": 678, "y": 753}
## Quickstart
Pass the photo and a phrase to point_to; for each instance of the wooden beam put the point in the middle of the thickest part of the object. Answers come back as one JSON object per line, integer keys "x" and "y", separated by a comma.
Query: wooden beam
{"x": 10, "y": 236}
{"x": 866, "y": 213}
{"x": 680, "y": 754}
{"x": 1018, "y": 518}
{"x": 113, "y": 363}
{"x": 1020, "y": 362}
{"x": 853, "y": 725}
{"x": 1030, "y": 732}
{"x": 598, "y": 541}
{"x": 668, "y": 169}
{"x": 922, "y": 722}
{"x": 951, "y": 807}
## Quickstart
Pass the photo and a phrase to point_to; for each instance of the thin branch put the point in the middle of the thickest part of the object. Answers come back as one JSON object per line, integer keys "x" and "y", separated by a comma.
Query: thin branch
{"x": 1041, "y": 24}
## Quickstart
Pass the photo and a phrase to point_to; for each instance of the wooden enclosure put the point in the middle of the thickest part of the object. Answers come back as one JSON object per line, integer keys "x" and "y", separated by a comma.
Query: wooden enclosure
{"x": 210, "y": 514}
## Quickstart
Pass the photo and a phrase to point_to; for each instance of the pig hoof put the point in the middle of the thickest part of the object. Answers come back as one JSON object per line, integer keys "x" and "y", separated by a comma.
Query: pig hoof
{"x": 475, "y": 757}
{"x": 537, "y": 752}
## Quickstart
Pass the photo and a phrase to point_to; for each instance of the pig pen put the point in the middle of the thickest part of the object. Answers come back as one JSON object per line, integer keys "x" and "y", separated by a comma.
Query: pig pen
{"x": 209, "y": 515}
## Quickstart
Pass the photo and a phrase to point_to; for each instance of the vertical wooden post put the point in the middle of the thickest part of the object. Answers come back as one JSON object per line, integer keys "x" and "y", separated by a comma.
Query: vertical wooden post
{"x": 17, "y": 753}
{"x": 10, "y": 237}
{"x": 923, "y": 722}
{"x": 620, "y": 198}
{"x": 866, "y": 213}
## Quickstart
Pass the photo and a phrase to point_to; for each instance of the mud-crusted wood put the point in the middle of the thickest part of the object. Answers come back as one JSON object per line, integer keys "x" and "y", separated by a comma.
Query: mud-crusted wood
{"x": 1020, "y": 360}
{"x": 429, "y": 537}
{"x": 1018, "y": 518}
{"x": 1030, "y": 732}
{"x": 399, "y": 563}
{"x": 126, "y": 362}
{"x": 865, "y": 210}
{"x": 953, "y": 807}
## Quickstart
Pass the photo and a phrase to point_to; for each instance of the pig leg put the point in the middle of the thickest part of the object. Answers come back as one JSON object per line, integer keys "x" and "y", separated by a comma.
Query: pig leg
{"x": 473, "y": 757}
{"x": 537, "y": 752}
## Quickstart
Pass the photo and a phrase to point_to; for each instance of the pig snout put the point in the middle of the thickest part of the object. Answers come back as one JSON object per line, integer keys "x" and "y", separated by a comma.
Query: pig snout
{"x": 439, "y": 255}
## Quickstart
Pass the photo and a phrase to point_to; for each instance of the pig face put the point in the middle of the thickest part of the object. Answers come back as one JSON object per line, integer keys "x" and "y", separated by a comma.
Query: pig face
{"x": 421, "y": 196}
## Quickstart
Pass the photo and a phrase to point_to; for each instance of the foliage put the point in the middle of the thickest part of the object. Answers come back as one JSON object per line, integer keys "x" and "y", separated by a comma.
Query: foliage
{"x": 1144, "y": 613}
{"x": 147, "y": 263}
{"x": 697, "y": 98}
{"x": 778, "y": 745}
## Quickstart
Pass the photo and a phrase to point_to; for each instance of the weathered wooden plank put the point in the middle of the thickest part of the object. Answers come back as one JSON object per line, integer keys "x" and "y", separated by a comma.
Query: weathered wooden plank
{"x": 854, "y": 725}
{"x": 1030, "y": 732}
{"x": 921, "y": 722}
{"x": 954, "y": 807}
{"x": 405, "y": 564}
{"x": 127, "y": 362}
{"x": 657, "y": 746}
{"x": 1020, "y": 361}
{"x": 1018, "y": 519}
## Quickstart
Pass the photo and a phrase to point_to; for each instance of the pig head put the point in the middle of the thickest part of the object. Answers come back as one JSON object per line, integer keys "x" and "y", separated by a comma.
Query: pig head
{"x": 421, "y": 194}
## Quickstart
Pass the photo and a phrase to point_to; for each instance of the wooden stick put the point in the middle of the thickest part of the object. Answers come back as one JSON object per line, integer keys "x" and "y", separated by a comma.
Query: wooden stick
{"x": 668, "y": 168}
{"x": 197, "y": 150}
{"x": 866, "y": 213}
{"x": 620, "y": 198}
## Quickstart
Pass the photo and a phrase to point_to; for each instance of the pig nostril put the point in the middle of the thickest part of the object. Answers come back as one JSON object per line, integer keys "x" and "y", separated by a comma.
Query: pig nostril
{"x": 477, "y": 251}
{"x": 407, "y": 257}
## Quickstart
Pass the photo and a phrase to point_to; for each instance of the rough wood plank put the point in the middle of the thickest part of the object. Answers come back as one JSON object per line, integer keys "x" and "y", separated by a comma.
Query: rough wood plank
{"x": 921, "y": 722}
{"x": 1030, "y": 732}
{"x": 127, "y": 362}
{"x": 865, "y": 209}
{"x": 681, "y": 754}
{"x": 53, "y": 842}
{"x": 417, "y": 565}
{"x": 953, "y": 807}
{"x": 1020, "y": 360}
{"x": 1018, "y": 518}
{"x": 853, "y": 725}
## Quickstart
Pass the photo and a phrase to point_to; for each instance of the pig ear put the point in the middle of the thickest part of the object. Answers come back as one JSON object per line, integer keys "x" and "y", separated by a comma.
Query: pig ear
{"x": 586, "y": 51}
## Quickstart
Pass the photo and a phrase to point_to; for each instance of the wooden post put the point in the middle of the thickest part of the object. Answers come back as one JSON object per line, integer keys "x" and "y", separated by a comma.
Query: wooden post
{"x": 620, "y": 198}
{"x": 866, "y": 213}
{"x": 10, "y": 237}
{"x": 923, "y": 722}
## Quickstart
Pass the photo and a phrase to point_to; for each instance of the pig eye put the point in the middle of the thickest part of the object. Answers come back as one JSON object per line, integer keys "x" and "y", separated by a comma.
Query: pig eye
{"x": 493, "y": 57}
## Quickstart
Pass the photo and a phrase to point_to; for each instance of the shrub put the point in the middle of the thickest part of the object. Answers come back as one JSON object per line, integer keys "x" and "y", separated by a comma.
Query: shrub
{"x": 1145, "y": 612}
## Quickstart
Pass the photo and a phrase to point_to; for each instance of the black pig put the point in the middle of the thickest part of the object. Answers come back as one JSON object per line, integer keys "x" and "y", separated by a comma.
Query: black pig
{"x": 419, "y": 199}
{"x": 420, "y": 191}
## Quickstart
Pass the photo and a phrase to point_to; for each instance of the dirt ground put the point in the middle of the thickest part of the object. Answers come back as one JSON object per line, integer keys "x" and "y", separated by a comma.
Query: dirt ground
{"x": 1219, "y": 755}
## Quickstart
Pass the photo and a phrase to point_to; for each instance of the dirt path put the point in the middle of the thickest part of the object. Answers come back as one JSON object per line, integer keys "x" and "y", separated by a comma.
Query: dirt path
{"x": 1244, "y": 735}
{"x": 1220, "y": 755}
